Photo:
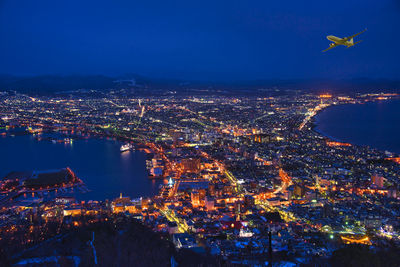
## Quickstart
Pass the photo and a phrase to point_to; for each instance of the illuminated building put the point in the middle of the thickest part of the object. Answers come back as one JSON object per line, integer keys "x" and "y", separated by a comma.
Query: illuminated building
{"x": 73, "y": 211}
{"x": 245, "y": 233}
{"x": 191, "y": 165}
{"x": 238, "y": 207}
{"x": 195, "y": 198}
{"x": 211, "y": 190}
{"x": 299, "y": 191}
{"x": 184, "y": 241}
{"x": 262, "y": 138}
{"x": 377, "y": 180}
{"x": 202, "y": 195}
{"x": 209, "y": 203}
{"x": 125, "y": 204}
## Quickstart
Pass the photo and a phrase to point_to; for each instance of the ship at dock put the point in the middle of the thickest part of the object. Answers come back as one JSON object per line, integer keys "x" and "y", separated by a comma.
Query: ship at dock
{"x": 126, "y": 147}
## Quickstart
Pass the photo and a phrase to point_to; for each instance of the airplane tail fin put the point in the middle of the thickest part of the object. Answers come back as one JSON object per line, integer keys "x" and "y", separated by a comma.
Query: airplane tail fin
{"x": 351, "y": 41}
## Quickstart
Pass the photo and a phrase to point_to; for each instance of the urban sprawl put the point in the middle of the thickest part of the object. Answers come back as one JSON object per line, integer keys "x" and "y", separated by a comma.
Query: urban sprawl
{"x": 246, "y": 178}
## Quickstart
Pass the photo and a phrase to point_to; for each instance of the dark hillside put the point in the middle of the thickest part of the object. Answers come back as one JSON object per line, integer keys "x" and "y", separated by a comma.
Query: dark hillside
{"x": 124, "y": 242}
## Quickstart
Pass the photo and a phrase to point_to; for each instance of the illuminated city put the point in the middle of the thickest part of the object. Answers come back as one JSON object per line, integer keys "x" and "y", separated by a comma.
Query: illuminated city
{"x": 199, "y": 133}
{"x": 233, "y": 169}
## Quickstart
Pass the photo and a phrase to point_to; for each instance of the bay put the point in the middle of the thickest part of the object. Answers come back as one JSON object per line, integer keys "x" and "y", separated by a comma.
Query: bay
{"x": 375, "y": 124}
{"x": 98, "y": 162}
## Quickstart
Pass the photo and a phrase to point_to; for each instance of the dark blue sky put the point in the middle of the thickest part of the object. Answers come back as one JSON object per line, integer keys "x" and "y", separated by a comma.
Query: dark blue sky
{"x": 202, "y": 40}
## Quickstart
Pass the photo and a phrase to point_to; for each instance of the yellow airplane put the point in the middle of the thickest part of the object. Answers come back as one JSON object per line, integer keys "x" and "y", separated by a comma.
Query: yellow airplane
{"x": 347, "y": 41}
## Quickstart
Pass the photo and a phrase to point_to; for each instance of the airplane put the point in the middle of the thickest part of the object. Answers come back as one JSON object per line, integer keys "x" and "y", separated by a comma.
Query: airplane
{"x": 347, "y": 41}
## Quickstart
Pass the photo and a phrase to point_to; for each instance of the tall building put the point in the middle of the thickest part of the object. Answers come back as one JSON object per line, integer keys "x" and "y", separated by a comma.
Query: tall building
{"x": 195, "y": 198}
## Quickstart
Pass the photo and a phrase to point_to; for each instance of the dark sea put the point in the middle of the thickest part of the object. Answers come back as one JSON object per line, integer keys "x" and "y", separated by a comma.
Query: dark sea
{"x": 375, "y": 124}
{"x": 98, "y": 162}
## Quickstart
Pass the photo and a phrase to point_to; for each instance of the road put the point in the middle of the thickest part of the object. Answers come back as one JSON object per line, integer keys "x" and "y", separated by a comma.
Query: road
{"x": 170, "y": 215}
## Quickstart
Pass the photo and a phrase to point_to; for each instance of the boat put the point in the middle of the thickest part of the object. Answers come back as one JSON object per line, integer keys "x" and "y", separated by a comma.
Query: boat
{"x": 126, "y": 147}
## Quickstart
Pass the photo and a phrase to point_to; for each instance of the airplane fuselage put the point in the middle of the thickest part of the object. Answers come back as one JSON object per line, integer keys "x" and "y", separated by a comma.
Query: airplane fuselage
{"x": 340, "y": 41}
{"x": 346, "y": 41}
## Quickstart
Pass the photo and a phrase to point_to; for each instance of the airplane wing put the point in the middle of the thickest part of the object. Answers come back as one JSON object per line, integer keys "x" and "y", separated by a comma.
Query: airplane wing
{"x": 333, "y": 45}
{"x": 355, "y": 43}
{"x": 348, "y": 38}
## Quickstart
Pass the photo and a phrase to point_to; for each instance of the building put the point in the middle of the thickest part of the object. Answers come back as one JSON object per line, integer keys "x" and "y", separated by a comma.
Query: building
{"x": 72, "y": 211}
{"x": 209, "y": 202}
{"x": 184, "y": 240}
{"x": 125, "y": 204}
{"x": 156, "y": 171}
{"x": 195, "y": 198}
{"x": 248, "y": 201}
{"x": 191, "y": 165}
{"x": 299, "y": 191}
{"x": 262, "y": 138}
{"x": 377, "y": 180}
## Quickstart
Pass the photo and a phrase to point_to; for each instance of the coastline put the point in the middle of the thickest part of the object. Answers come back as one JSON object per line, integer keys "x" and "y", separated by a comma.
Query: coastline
{"x": 316, "y": 122}
{"x": 129, "y": 177}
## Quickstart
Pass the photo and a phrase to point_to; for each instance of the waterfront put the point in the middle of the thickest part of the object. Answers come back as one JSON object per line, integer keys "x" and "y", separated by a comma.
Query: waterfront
{"x": 376, "y": 124}
{"x": 98, "y": 162}
{"x": 234, "y": 171}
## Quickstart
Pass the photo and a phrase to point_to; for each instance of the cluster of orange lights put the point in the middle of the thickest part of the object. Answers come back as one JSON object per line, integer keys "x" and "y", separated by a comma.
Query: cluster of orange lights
{"x": 361, "y": 191}
{"x": 325, "y": 96}
{"x": 397, "y": 160}
{"x": 371, "y": 191}
{"x": 333, "y": 144}
{"x": 265, "y": 162}
{"x": 284, "y": 176}
{"x": 350, "y": 240}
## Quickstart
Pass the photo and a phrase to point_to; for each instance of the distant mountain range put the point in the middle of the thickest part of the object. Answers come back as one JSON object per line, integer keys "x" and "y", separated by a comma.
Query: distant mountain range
{"x": 57, "y": 83}
{"x": 60, "y": 83}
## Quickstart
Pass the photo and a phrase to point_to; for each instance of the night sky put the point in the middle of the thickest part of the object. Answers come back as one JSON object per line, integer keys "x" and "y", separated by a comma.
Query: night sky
{"x": 200, "y": 40}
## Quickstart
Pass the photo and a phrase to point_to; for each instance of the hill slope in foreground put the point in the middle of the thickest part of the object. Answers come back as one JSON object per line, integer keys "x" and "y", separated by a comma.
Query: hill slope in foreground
{"x": 122, "y": 243}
